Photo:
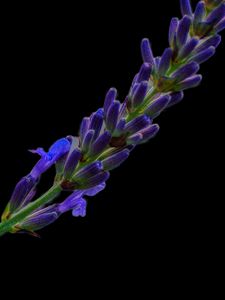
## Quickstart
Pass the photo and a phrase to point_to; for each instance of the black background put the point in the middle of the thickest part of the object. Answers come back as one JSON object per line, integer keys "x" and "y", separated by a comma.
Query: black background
{"x": 160, "y": 210}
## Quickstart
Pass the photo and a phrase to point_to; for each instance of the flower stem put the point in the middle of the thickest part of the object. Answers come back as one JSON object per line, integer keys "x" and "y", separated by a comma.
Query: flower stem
{"x": 7, "y": 226}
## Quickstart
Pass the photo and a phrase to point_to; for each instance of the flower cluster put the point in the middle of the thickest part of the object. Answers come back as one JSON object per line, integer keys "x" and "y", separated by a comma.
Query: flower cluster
{"x": 107, "y": 137}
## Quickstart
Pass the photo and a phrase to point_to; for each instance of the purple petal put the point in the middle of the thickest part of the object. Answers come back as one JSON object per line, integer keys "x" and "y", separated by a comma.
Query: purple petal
{"x": 88, "y": 171}
{"x": 21, "y": 191}
{"x": 70, "y": 201}
{"x": 109, "y": 99}
{"x": 216, "y": 15}
{"x": 185, "y": 7}
{"x": 173, "y": 30}
{"x": 150, "y": 132}
{"x": 183, "y": 30}
{"x": 115, "y": 160}
{"x": 95, "y": 190}
{"x": 186, "y": 71}
{"x": 140, "y": 94}
{"x": 165, "y": 61}
{"x": 84, "y": 128}
{"x": 137, "y": 124}
{"x": 37, "y": 222}
{"x": 204, "y": 55}
{"x": 100, "y": 144}
{"x": 199, "y": 13}
{"x": 157, "y": 106}
{"x": 96, "y": 180}
{"x": 134, "y": 80}
{"x": 112, "y": 116}
{"x": 123, "y": 108}
{"x": 189, "y": 83}
{"x": 175, "y": 98}
{"x": 57, "y": 150}
{"x": 211, "y": 41}
{"x": 120, "y": 127}
{"x": 28, "y": 198}
{"x": 87, "y": 141}
{"x": 97, "y": 122}
{"x": 134, "y": 139}
{"x": 146, "y": 52}
{"x": 80, "y": 208}
{"x": 144, "y": 73}
{"x": 188, "y": 48}
{"x": 71, "y": 163}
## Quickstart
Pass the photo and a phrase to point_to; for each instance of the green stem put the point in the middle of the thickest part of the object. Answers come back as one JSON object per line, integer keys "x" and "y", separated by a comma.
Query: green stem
{"x": 7, "y": 226}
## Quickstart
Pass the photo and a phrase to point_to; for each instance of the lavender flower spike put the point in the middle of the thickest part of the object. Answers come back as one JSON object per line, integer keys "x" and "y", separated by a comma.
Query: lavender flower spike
{"x": 107, "y": 137}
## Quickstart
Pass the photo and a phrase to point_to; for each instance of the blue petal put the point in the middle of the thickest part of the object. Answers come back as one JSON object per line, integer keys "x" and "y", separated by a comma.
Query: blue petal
{"x": 80, "y": 208}
{"x": 56, "y": 151}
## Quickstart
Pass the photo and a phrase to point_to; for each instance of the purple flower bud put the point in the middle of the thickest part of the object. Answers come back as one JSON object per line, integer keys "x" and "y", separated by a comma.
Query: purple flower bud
{"x": 87, "y": 141}
{"x": 123, "y": 108}
{"x": 139, "y": 94}
{"x": 109, "y": 99}
{"x": 84, "y": 128}
{"x": 173, "y": 31}
{"x": 134, "y": 88}
{"x": 88, "y": 171}
{"x": 157, "y": 62}
{"x": 183, "y": 30}
{"x": 134, "y": 139}
{"x": 186, "y": 71}
{"x": 185, "y": 7}
{"x": 203, "y": 55}
{"x": 38, "y": 221}
{"x": 211, "y": 41}
{"x": 112, "y": 116}
{"x": 165, "y": 61}
{"x": 216, "y": 15}
{"x": 57, "y": 150}
{"x": 21, "y": 191}
{"x": 98, "y": 179}
{"x": 175, "y": 98}
{"x": 100, "y": 144}
{"x": 71, "y": 163}
{"x": 144, "y": 73}
{"x": 80, "y": 208}
{"x": 134, "y": 80}
{"x": 95, "y": 190}
{"x": 115, "y": 160}
{"x": 186, "y": 50}
{"x": 28, "y": 198}
{"x": 146, "y": 52}
{"x": 157, "y": 106}
{"x": 189, "y": 83}
{"x": 199, "y": 14}
{"x": 137, "y": 124}
{"x": 120, "y": 127}
{"x": 149, "y": 132}
{"x": 220, "y": 26}
{"x": 97, "y": 122}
